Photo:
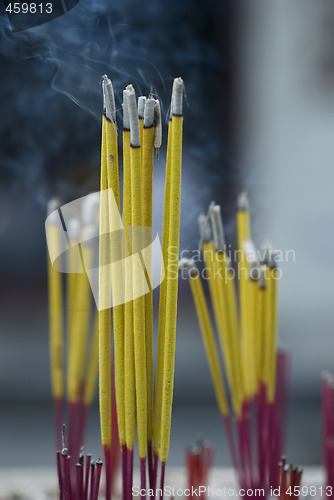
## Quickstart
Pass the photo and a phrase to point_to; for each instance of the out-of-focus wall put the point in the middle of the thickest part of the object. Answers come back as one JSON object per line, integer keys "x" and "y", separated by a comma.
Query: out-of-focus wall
{"x": 286, "y": 139}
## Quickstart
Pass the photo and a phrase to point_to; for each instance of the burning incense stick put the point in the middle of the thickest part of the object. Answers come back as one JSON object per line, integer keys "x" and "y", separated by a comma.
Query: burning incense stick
{"x": 199, "y": 460}
{"x": 147, "y": 200}
{"x": 104, "y": 289}
{"x": 129, "y": 374}
{"x": 162, "y": 303}
{"x": 138, "y": 282}
{"x": 172, "y": 271}
{"x": 86, "y": 483}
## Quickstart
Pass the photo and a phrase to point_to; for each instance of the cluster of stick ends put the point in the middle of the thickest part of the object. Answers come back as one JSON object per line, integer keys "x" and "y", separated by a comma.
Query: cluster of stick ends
{"x": 199, "y": 460}
{"x": 289, "y": 478}
{"x": 81, "y": 482}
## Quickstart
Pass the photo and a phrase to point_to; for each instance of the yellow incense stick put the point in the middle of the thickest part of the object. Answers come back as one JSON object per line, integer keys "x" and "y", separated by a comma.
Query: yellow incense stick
{"x": 243, "y": 220}
{"x": 55, "y": 314}
{"x": 243, "y": 234}
{"x": 234, "y": 327}
{"x": 147, "y": 193}
{"x": 141, "y": 109}
{"x": 251, "y": 288}
{"x": 115, "y": 256}
{"x": 229, "y": 342}
{"x": 92, "y": 370}
{"x": 129, "y": 373}
{"x": 162, "y": 301}
{"x": 104, "y": 291}
{"x": 138, "y": 277}
{"x": 268, "y": 326}
{"x": 172, "y": 270}
{"x": 74, "y": 277}
{"x": 208, "y": 337}
{"x": 259, "y": 324}
{"x": 219, "y": 308}
{"x": 80, "y": 328}
{"x": 273, "y": 347}
{"x": 71, "y": 279}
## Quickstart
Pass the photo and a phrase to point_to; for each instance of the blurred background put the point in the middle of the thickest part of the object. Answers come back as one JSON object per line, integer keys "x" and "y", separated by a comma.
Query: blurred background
{"x": 259, "y": 117}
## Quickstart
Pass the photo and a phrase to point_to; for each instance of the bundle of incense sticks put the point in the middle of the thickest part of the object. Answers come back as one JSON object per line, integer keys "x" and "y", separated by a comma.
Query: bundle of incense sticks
{"x": 256, "y": 373}
{"x": 289, "y": 481}
{"x": 73, "y": 322}
{"x": 140, "y": 412}
{"x": 328, "y": 430}
{"x": 199, "y": 460}
{"x": 85, "y": 484}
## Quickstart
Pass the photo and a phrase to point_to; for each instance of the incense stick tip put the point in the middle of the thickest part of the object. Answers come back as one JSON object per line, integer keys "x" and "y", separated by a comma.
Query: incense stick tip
{"x": 148, "y": 112}
{"x": 262, "y": 278}
{"x": 109, "y": 106}
{"x": 126, "y": 119}
{"x": 157, "y": 125}
{"x": 130, "y": 89}
{"x": 133, "y": 116}
{"x": 177, "y": 97}
{"x": 204, "y": 228}
{"x": 189, "y": 266}
{"x": 252, "y": 259}
{"x": 242, "y": 202}
{"x": 269, "y": 255}
{"x": 217, "y": 227}
{"x": 141, "y": 107}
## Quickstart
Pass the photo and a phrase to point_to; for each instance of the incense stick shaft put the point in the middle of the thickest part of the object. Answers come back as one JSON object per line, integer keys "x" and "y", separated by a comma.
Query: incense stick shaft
{"x": 139, "y": 289}
{"x": 104, "y": 314}
{"x": 162, "y": 300}
{"x": 172, "y": 286}
{"x": 209, "y": 342}
{"x": 129, "y": 375}
{"x": 147, "y": 192}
